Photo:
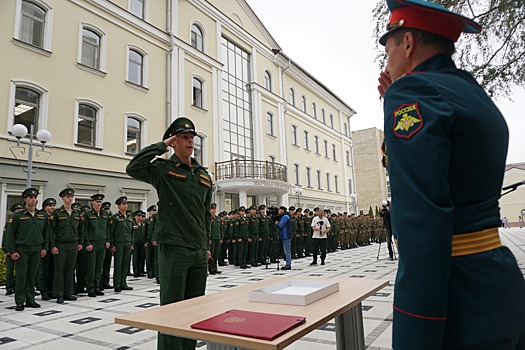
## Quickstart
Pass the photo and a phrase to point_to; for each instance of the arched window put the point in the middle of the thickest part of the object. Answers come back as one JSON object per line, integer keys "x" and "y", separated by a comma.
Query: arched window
{"x": 87, "y": 125}
{"x": 91, "y": 48}
{"x": 33, "y": 24}
{"x": 292, "y": 97}
{"x": 27, "y": 107}
{"x": 314, "y": 110}
{"x": 267, "y": 81}
{"x": 197, "y": 149}
{"x": 197, "y": 93}
{"x": 136, "y": 67}
{"x": 303, "y": 103}
{"x": 197, "y": 38}
{"x": 134, "y": 135}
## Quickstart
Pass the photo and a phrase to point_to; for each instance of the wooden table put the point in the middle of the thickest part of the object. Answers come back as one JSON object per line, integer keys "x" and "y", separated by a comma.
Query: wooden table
{"x": 344, "y": 306}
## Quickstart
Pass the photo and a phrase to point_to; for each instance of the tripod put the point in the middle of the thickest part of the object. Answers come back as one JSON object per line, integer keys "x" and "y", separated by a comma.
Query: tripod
{"x": 274, "y": 251}
{"x": 392, "y": 245}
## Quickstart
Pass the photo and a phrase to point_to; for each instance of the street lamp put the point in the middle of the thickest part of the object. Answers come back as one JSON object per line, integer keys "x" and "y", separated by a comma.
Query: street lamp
{"x": 298, "y": 192}
{"x": 353, "y": 197}
{"x": 20, "y": 131}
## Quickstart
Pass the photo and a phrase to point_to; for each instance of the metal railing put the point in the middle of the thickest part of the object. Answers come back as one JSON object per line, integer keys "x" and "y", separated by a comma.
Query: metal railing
{"x": 250, "y": 169}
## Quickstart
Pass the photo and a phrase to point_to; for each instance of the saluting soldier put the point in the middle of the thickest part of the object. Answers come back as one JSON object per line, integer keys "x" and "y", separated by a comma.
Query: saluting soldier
{"x": 66, "y": 238}
{"x": 253, "y": 236}
{"x": 26, "y": 245}
{"x": 106, "y": 265}
{"x": 264, "y": 234}
{"x": 10, "y": 263}
{"x": 121, "y": 238}
{"x": 46, "y": 270}
{"x": 215, "y": 240}
{"x": 96, "y": 242}
{"x": 151, "y": 250}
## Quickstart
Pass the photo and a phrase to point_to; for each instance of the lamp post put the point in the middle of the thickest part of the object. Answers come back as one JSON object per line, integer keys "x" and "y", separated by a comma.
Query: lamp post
{"x": 353, "y": 197}
{"x": 298, "y": 192}
{"x": 43, "y": 135}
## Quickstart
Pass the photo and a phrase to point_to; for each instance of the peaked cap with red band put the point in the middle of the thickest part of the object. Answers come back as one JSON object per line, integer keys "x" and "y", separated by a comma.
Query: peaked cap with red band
{"x": 429, "y": 17}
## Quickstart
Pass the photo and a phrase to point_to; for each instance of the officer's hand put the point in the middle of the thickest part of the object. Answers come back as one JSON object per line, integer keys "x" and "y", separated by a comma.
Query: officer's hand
{"x": 132, "y": 248}
{"x": 79, "y": 247}
{"x": 209, "y": 255}
{"x": 239, "y": 240}
{"x": 250, "y": 240}
{"x": 384, "y": 82}
{"x": 43, "y": 253}
{"x": 114, "y": 249}
{"x": 260, "y": 239}
{"x": 154, "y": 243}
{"x": 169, "y": 141}
{"x": 89, "y": 248}
{"x": 107, "y": 245}
{"x": 15, "y": 256}
{"x": 146, "y": 245}
{"x": 221, "y": 241}
{"x": 54, "y": 250}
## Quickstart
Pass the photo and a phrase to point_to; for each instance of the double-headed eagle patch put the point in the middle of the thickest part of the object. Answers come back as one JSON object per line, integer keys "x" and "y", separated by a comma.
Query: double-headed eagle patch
{"x": 407, "y": 120}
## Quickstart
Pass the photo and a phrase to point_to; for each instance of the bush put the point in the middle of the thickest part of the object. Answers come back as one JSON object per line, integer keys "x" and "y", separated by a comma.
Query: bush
{"x": 3, "y": 268}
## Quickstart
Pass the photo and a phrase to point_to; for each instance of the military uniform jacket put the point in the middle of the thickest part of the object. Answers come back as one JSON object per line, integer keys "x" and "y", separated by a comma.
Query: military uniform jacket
{"x": 241, "y": 227}
{"x": 96, "y": 227}
{"x": 253, "y": 229}
{"x": 447, "y": 146}
{"x": 264, "y": 225}
{"x": 26, "y": 232}
{"x": 121, "y": 229}
{"x": 225, "y": 229}
{"x": 216, "y": 228}
{"x": 300, "y": 224}
{"x": 65, "y": 228}
{"x": 184, "y": 196}
{"x": 139, "y": 233}
{"x": 152, "y": 224}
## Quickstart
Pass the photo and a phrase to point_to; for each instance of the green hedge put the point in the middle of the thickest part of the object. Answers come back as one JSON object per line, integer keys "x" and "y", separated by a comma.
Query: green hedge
{"x": 3, "y": 267}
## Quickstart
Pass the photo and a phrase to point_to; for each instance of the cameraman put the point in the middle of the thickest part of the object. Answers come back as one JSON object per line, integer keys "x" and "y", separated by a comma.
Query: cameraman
{"x": 320, "y": 227}
{"x": 385, "y": 215}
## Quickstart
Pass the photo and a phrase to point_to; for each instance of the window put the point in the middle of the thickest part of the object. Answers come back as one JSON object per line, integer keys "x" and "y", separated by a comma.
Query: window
{"x": 319, "y": 185}
{"x": 135, "y": 67}
{"x": 328, "y": 182}
{"x": 331, "y": 121}
{"x": 292, "y": 97}
{"x": 303, "y": 104}
{"x": 314, "y": 111}
{"x": 306, "y": 140}
{"x": 32, "y": 24}
{"x": 308, "y": 177}
{"x": 334, "y": 152}
{"x": 137, "y": 7}
{"x": 350, "y": 186}
{"x": 27, "y": 108}
{"x": 196, "y": 38}
{"x": 197, "y": 149}
{"x": 90, "y": 49}
{"x": 197, "y": 93}
{"x": 348, "y": 158}
{"x": 323, "y": 116}
{"x": 326, "y": 148}
{"x": 87, "y": 125}
{"x": 267, "y": 81}
{"x": 316, "y": 142}
{"x": 294, "y": 135}
{"x": 296, "y": 173}
{"x": 336, "y": 182}
{"x": 345, "y": 129}
{"x": 134, "y": 135}
{"x": 269, "y": 124}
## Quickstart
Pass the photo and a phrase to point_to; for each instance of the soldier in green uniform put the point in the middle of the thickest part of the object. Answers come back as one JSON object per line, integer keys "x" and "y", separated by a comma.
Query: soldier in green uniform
{"x": 307, "y": 234}
{"x": 241, "y": 236}
{"x": 215, "y": 240}
{"x": 333, "y": 233}
{"x": 140, "y": 242}
{"x": 264, "y": 234}
{"x": 184, "y": 188}
{"x": 10, "y": 263}
{"x": 225, "y": 238}
{"x": 253, "y": 236}
{"x": 150, "y": 248}
{"x": 232, "y": 248}
{"x": 65, "y": 240}
{"x": 299, "y": 233}
{"x": 81, "y": 265}
{"x": 153, "y": 238}
{"x": 26, "y": 246}
{"x": 120, "y": 240}
{"x": 106, "y": 265}
{"x": 96, "y": 242}
{"x": 47, "y": 263}
{"x": 293, "y": 221}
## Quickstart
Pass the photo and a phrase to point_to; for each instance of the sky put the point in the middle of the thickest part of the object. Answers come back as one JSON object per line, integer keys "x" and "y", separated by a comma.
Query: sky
{"x": 333, "y": 41}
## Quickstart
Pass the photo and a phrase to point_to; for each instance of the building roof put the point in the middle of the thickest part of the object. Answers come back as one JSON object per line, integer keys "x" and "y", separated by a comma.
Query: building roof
{"x": 520, "y": 166}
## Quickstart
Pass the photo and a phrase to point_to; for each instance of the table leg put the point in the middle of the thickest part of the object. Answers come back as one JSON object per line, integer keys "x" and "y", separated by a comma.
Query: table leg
{"x": 349, "y": 330}
{"x": 218, "y": 346}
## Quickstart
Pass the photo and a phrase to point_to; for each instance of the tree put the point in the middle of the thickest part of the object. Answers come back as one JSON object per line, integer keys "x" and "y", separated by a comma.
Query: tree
{"x": 496, "y": 57}
{"x": 370, "y": 212}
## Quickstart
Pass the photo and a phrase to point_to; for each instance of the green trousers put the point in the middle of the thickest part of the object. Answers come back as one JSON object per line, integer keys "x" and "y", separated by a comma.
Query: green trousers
{"x": 94, "y": 262}
{"x": 81, "y": 269}
{"x": 183, "y": 273}
{"x": 64, "y": 268}
{"x": 45, "y": 274}
{"x": 10, "y": 274}
{"x": 26, "y": 271}
{"x": 121, "y": 265}
{"x": 215, "y": 250}
{"x": 106, "y": 267}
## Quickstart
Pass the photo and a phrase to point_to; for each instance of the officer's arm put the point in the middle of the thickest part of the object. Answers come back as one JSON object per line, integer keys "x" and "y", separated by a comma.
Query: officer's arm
{"x": 45, "y": 244}
{"x": 422, "y": 210}
{"x": 140, "y": 166}
{"x": 111, "y": 231}
{"x": 12, "y": 227}
{"x": 207, "y": 217}
{"x": 53, "y": 221}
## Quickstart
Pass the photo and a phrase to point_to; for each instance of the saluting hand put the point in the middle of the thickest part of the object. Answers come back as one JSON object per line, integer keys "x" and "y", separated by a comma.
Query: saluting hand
{"x": 169, "y": 141}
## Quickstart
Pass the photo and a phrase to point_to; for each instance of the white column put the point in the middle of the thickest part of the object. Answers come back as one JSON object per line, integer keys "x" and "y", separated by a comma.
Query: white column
{"x": 243, "y": 198}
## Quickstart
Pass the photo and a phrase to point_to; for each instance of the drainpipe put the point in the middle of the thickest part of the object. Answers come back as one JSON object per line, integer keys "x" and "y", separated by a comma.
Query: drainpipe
{"x": 169, "y": 55}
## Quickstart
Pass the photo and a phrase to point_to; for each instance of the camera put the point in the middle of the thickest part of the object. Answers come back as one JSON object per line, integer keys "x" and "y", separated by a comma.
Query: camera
{"x": 320, "y": 223}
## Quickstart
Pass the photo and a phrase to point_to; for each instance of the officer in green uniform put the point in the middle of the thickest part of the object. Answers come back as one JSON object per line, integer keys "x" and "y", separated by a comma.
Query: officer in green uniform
{"x": 264, "y": 234}
{"x": 26, "y": 246}
{"x": 153, "y": 238}
{"x": 140, "y": 242}
{"x": 46, "y": 270}
{"x": 253, "y": 236}
{"x": 65, "y": 240}
{"x": 241, "y": 236}
{"x": 81, "y": 266}
{"x": 457, "y": 286}
{"x": 121, "y": 243}
{"x": 225, "y": 238}
{"x": 184, "y": 189}
{"x": 215, "y": 240}
{"x": 307, "y": 232}
{"x": 293, "y": 221}
{"x": 10, "y": 263}
{"x": 106, "y": 266}
{"x": 96, "y": 242}
{"x": 299, "y": 233}
{"x": 151, "y": 250}
{"x": 232, "y": 247}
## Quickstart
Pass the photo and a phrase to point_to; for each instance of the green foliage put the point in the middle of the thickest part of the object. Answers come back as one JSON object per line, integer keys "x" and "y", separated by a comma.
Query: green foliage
{"x": 370, "y": 212}
{"x": 496, "y": 57}
{"x": 3, "y": 268}
{"x": 377, "y": 210}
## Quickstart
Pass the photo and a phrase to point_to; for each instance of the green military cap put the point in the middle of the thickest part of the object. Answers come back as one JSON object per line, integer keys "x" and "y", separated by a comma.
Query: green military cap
{"x": 106, "y": 205}
{"x": 213, "y": 206}
{"x": 291, "y": 208}
{"x": 283, "y": 208}
{"x": 262, "y": 206}
{"x": 30, "y": 192}
{"x": 307, "y": 210}
{"x": 253, "y": 207}
{"x": 17, "y": 207}
{"x": 299, "y": 209}
{"x": 97, "y": 197}
{"x": 121, "y": 200}
{"x": 76, "y": 206}
{"x": 242, "y": 208}
{"x": 224, "y": 213}
{"x": 137, "y": 213}
{"x": 334, "y": 214}
{"x": 316, "y": 208}
{"x": 66, "y": 191}
{"x": 85, "y": 208}
{"x": 326, "y": 210}
{"x": 152, "y": 208}
{"x": 231, "y": 212}
{"x": 179, "y": 125}
{"x": 49, "y": 201}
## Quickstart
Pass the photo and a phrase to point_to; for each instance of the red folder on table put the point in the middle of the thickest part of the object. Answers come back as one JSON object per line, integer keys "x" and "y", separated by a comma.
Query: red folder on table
{"x": 250, "y": 324}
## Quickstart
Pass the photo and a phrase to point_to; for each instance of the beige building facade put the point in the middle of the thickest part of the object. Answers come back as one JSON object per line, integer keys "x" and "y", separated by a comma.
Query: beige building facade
{"x": 513, "y": 204}
{"x": 107, "y": 77}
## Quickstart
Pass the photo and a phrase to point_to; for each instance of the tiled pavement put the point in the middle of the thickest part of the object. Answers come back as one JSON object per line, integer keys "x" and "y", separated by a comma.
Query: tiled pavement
{"x": 89, "y": 322}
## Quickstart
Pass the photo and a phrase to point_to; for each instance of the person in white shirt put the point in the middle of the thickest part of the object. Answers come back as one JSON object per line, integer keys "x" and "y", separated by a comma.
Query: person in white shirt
{"x": 320, "y": 228}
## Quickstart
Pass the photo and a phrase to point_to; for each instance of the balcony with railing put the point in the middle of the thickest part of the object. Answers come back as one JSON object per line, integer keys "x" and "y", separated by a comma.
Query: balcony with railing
{"x": 250, "y": 169}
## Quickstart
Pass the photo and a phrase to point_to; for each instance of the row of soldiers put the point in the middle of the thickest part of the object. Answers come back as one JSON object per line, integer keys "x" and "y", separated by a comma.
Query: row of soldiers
{"x": 249, "y": 238}
{"x": 67, "y": 251}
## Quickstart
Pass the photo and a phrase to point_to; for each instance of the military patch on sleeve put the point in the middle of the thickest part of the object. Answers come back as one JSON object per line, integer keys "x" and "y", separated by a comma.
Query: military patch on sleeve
{"x": 407, "y": 121}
